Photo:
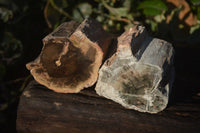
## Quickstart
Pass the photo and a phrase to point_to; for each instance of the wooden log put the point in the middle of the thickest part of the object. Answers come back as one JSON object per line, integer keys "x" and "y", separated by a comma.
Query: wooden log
{"x": 41, "y": 110}
{"x": 140, "y": 74}
{"x": 71, "y": 56}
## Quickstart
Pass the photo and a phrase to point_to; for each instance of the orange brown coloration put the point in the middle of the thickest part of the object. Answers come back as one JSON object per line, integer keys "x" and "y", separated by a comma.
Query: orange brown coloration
{"x": 71, "y": 56}
{"x": 185, "y": 14}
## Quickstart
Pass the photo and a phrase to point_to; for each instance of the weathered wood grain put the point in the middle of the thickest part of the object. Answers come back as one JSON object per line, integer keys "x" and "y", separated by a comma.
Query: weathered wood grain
{"x": 41, "y": 110}
{"x": 140, "y": 74}
{"x": 71, "y": 56}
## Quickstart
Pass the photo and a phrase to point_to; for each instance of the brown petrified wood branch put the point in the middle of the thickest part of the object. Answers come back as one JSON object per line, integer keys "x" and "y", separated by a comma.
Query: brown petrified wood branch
{"x": 41, "y": 110}
{"x": 71, "y": 56}
{"x": 140, "y": 74}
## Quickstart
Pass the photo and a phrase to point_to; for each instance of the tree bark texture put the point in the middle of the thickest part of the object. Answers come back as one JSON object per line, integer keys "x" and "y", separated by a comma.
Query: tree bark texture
{"x": 41, "y": 110}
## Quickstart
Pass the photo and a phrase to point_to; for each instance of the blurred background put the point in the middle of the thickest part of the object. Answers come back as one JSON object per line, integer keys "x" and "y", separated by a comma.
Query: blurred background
{"x": 24, "y": 23}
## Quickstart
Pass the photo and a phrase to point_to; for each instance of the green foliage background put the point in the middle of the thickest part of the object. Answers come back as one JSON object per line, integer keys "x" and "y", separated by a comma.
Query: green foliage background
{"x": 23, "y": 24}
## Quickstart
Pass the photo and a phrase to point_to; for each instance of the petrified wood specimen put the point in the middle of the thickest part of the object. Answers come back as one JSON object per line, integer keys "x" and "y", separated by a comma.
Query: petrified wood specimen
{"x": 71, "y": 56}
{"x": 140, "y": 74}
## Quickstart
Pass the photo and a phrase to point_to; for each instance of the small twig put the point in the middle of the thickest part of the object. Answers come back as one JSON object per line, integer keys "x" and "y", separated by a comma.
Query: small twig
{"x": 60, "y": 10}
{"x": 113, "y": 17}
{"x": 25, "y": 83}
{"x": 16, "y": 80}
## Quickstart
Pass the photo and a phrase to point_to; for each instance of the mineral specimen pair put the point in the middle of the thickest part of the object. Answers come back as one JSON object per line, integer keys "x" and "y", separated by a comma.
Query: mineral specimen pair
{"x": 137, "y": 71}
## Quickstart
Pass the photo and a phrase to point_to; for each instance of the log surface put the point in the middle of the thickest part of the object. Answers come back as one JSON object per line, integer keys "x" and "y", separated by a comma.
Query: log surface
{"x": 44, "y": 111}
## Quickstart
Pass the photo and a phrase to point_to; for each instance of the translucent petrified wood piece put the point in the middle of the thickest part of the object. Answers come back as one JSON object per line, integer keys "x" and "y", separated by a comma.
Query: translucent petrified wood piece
{"x": 140, "y": 74}
{"x": 71, "y": 56}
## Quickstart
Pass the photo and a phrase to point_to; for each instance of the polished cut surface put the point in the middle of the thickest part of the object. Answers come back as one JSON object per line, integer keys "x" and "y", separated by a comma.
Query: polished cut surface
{"x": 71, "y": 56}
{"x": 140, "y": 74}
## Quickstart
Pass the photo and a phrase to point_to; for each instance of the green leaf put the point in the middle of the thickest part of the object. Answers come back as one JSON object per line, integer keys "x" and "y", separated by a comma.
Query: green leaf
{"x": 152, "y": 23}
{"x": 82, "y": 11}
{"x": 198, "y": 13}
{"x": 122, "y": 11}
{"x": 11, "y": 48}
{"x": 127, "y": 4}
{"x": 159, "y": 18}
{"x": 195, "y": 2}
{"x": 5, "y": 14}
{"x": 119, "y": 12}
{"x": 152, "y": 7}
